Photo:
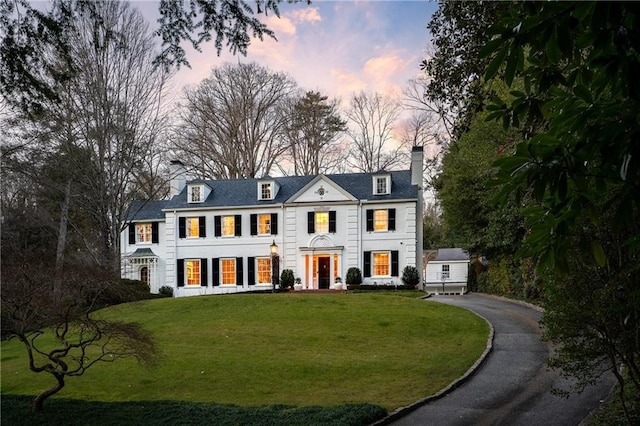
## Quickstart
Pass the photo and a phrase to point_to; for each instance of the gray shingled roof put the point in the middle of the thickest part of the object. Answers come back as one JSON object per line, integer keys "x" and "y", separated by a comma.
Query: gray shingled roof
{"x": 146, "y": 210}
{"x": 243, "y": 192}
{"x": 447, "y": 254}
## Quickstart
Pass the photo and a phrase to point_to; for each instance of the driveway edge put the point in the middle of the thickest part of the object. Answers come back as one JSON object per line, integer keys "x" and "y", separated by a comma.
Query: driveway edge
{"x": 403, "y": 411}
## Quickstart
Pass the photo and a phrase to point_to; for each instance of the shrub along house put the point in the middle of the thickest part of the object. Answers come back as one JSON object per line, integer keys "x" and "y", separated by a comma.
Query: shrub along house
{"x": 214, "y": 236}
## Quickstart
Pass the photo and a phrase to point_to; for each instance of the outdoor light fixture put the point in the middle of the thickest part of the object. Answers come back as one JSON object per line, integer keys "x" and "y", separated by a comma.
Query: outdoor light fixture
{"x": 275, "y": 266}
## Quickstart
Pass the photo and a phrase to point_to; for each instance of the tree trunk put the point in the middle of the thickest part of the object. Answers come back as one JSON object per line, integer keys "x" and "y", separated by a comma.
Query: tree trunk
{"x": 62, "y": 231}
{"x": 39, "y": 400}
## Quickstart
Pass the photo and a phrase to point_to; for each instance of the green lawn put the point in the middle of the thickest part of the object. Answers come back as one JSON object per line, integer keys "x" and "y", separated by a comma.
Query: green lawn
{"x": 291, "y": 348}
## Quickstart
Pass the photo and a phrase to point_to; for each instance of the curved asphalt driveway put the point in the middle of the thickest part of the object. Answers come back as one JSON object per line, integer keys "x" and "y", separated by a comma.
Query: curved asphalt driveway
{"x": 513, "y": 385}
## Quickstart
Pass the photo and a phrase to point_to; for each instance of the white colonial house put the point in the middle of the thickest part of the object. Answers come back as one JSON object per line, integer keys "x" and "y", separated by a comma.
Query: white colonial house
{"x": 214, "y": 236}
{"x": 447, "y": 271}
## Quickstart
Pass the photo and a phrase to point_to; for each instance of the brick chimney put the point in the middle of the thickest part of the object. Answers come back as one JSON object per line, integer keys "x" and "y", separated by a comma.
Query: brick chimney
{"x": 178, "y": 177}
{"x": 417, "y": 156}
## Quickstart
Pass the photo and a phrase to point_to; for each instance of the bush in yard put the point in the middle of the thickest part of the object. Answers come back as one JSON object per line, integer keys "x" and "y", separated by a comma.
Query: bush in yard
{"x": 410, "y": 276}
{"x": 353, "y": 276}
{"x": 165, "y": 290}
{"x": 286, "y": 279}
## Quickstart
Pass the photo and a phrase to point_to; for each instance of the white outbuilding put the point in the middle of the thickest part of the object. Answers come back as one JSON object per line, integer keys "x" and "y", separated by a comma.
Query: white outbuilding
{"x": 447, "y": 272}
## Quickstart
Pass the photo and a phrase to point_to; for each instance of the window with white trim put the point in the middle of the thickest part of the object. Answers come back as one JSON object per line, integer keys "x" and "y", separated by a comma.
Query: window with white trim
{"x": 322, "y": 222}
{"x": 144, "y": 232}
{"x": 381, "y": 263}
{"x": 266, "y": 191}
{"x": 193, "y": 227}
{"x": 228, "y": 271}
{"x": 446, "y": 273}
{"x": 196, "y": 193}
{"x": 228, "y": 226}
{"x": 192, "y": 271}
{"x": 263, "y": 270}
{"x": 264, "y": 224}
{"x": 381, "y": 220}
{"x": 381, "y": 185}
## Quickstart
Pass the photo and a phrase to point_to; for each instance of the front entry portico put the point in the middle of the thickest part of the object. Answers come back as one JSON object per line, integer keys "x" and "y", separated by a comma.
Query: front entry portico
{"x": 322, "y": 264}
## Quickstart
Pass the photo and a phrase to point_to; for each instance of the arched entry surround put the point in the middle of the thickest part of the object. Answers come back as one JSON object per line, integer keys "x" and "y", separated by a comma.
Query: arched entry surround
{"x": 322, "y": 263}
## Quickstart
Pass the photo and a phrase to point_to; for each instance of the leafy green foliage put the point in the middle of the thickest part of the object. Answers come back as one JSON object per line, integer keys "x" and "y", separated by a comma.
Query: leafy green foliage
{"x": 578, "y": 110}
{"x": 286, "y": 279}
{"x": 472, "y": 218}
{"x": 15, "y": 411}
{"x": 354, "y": 276}
{"x": 410, "y": 276}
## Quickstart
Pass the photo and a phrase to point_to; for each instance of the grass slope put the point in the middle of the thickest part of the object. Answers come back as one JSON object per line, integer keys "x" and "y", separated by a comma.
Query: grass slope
{"x": 294, "y": 349}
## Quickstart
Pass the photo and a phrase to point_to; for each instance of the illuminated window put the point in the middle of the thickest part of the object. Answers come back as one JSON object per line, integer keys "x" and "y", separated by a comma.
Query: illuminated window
{"x": 322, "y": 222}
{"x": 381, "y": 263}
{"x": 192, "y": 271}
{"x": 264, "y": 270}
{"x": 228, "y": 226}
{"x": 381, "y": 220}
{"x": 143, "y": 232}
{"x": 228, "y": 267}
{"x": 193, "y": 227}
{"x": 264, "y": 224}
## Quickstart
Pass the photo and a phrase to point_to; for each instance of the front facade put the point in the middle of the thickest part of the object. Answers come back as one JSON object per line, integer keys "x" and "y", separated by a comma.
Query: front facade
{"x": 214, "y": 237}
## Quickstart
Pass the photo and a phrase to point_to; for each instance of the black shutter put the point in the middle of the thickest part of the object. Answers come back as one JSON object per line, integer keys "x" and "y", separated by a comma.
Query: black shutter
{"x": 202, "y": 225}
{"x": 274, "y": 223}
{"x": 254, "y": 224}
{"x": 367, "y": 264}
{"x": 217, "y": 225}
{"x": 391, "y": 226}
{"x": 332, "y": 221}
{"x": 395, "y": 270}
{"x": 132, "y": 233}
{"x": 180, "y": 272}
{"x": 204, "y": 279}
{"x": 182, "y": 227}
{"x": 239, "y": 272}
{"x": 215, "y": 271}
{"x": 251, "y": 270}
{"x": 155, "y": 238}
{"x": 369, "y": 220}
{"x": 237, "y": 221}
{"x": 311, "y": 225}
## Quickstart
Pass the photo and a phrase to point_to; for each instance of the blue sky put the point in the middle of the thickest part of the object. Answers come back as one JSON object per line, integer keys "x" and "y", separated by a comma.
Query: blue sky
{"x": 337, "y": 47}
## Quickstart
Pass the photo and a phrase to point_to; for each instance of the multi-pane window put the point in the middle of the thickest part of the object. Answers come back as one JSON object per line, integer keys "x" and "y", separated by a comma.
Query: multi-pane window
{"x": 265, "y": 191}
{"x": 195, "y": 194}
{"x": 322, "y": 222}
{"x": 381, "y": 220}
{"x": 192, "y": 272}
{"x": 446, "y": 273}
{"x": 263, "y": 270}
{"x": 228, "y": 226}
{"x": 381, "y": 185}
{"x": 264, "y": 224}
{"x": 143, "y": 232}
{"x": 381, "y": 263}
{"x": 193, "y": 227}
{"x": 228, "y": 268}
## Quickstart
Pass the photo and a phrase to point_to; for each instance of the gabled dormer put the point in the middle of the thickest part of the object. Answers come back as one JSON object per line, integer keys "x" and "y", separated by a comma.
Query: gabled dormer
{"x": 267, "y": 189}
{"x": 197, "y": 192}
{"x": 381, "y": 182}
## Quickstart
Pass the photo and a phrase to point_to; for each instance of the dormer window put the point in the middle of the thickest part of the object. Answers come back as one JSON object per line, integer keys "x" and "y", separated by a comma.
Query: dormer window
{"x": 196, "y": 193}
{"x": 267, "y": 190}
{"x": 382, "y": 185}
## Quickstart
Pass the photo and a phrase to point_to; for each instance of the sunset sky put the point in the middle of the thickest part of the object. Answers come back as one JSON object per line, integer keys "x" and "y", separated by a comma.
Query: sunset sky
{"x": 337, "y": 47}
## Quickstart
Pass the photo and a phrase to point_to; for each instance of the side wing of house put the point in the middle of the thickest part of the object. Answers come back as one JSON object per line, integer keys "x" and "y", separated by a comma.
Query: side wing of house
{"x": 447, "y": 273}
{"x": 143, "y": 244}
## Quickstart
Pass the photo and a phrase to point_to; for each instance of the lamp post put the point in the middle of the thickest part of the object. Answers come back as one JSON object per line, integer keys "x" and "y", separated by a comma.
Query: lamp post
{"x": 275, "y": 265}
